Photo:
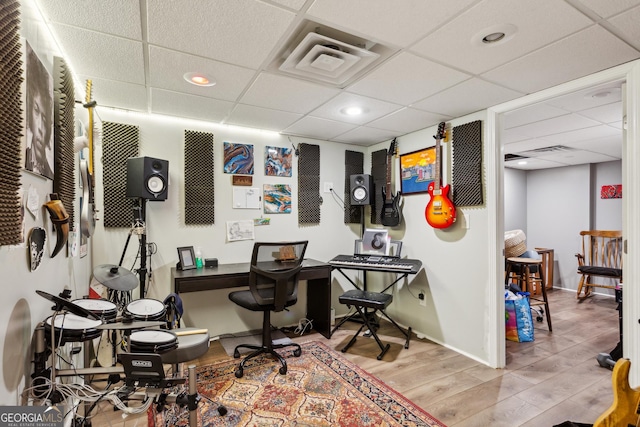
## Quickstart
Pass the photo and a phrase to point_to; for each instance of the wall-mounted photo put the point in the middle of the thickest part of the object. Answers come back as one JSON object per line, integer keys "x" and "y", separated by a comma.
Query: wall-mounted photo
{"x": 238, "y": 158}
{"x": 277, "y": 198}
{"x": 277, "y": 161}
{"x": 39, "y": 116}
{"x": 417, "y": 170}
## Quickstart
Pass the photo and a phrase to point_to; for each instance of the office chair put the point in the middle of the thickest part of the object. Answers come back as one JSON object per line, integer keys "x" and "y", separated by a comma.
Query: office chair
{"x": 273, "y": 285}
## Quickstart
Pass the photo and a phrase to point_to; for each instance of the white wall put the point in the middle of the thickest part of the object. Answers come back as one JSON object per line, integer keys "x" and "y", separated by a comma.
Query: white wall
{"x": 515, "y": 200}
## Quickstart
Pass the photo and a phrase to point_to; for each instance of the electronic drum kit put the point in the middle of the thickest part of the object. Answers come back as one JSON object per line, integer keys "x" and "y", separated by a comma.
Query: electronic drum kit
{"x": 83, "y": 320}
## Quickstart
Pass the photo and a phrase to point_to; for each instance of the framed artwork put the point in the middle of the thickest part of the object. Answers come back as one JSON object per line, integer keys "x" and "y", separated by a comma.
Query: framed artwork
{"x": 277, "y": 198}
{"x": 611, "y": 191}
{"x": 187, "y": 258}
{"x": 277, "y": 161}
{"x": 417, "y": 170}
{"x": 238, "y": 158}
{"x": 38, "y": 138}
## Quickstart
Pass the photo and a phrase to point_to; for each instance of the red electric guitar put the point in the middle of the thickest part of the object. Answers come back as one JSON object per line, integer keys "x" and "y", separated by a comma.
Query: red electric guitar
{"x": 440, "y": 211}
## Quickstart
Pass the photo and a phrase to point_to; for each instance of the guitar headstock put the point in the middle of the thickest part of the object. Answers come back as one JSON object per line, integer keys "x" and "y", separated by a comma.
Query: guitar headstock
{"x": 440, "y": 134}
{"x": 393, "y": 148}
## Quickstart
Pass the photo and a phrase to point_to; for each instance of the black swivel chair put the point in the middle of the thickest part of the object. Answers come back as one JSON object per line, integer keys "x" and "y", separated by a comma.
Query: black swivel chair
{"x": 273, "y": 285}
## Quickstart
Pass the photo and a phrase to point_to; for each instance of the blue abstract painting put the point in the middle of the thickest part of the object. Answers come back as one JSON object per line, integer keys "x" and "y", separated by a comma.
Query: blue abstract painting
{"x": 277, "y": 198}
{"x": 277, "y": 161}
{"x": 238, "y": 158}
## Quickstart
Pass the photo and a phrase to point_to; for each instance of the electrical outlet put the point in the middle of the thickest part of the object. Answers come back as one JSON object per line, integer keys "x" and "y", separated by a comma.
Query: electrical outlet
{"x": 423, "y": 298}
{"x": 328, "y": 186}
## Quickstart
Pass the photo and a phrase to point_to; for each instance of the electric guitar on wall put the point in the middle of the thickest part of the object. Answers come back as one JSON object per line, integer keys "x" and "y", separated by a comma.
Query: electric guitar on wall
{"x": 87, "y": 209}
{"x": 440, "y": 211}
{"x": 391, "y": 215}
{"x": 624, "y": 410}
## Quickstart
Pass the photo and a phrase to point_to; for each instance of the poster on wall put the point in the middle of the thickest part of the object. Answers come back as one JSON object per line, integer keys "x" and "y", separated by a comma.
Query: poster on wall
{"x": 277, "y": 161}
{"x": 38, "y": 140}
{"x": 417, "y": 170}
{"x": 611, "y": 191}
{"x": 277, "y": 198}
{"x": 238, "y": 158}
{"x": 240, "y": 230}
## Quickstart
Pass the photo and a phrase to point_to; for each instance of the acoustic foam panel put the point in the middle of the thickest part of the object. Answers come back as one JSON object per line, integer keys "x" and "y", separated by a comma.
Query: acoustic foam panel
{"x": 119, "y": 142}
{"x": 11, "y": 123}
{"x": 466, "y": 176}
{"x": 198, "y": 178}
{"x": 353, "y": 164}
{"x": 379, "y": 175}
{"x": 64, "y": 132}
{"x": 308, "y": 184}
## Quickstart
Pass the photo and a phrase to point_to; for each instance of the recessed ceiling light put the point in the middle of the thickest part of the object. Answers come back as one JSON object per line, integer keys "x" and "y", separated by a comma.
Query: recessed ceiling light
{"x": 494, "y": 35}
{"x": 352, "y": 111}
{"x": 602, "y": 93}
{"x": 522, "y": 162}
{"x": 199, "y": 79}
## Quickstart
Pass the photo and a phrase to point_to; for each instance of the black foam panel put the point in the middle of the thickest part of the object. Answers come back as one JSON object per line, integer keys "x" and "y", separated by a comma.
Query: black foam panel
{"x": 379, "y": 174}
{"x": 308, "y": 184}
{"x": 466, "y": 176}
{"x": 119, "y": 142}
{"x": 199, "y": 206}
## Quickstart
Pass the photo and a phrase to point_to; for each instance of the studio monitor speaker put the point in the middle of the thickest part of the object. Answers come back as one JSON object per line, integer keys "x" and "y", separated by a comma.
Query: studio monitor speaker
{"x": 147, "y": 178}
{"x": 361, "y": 189}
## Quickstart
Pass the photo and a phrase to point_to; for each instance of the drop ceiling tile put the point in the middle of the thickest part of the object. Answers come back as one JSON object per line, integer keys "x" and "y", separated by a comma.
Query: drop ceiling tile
{"x": 364, "y": 136}
{"x": 319, "y": 128}
{"x": 372, "y": 108}
{"x": 530, "y": 114}
{"x": 287, "y": 94}
{"x": 578, "y": 157}
{"x": 102, "y": 56}
{"x": 467, "y": 97}
{"x": 550, "y": 65}
{"x": 609, "y": 113}
{"x": 535, "y": 24}
{"x": 407, "y": 78}
{"x": 109, "y": 93}
{"x": 167, "y": 68}
{"x": 261, "y": 118}
{"x": 586, "y": 134}
{"x": 526, "y": 145}
{"x": 609, "y": 145}
{"x": 189, "y": 106}
{"x": 386, "y": 21}
{"x": 628, "y": 24}
{"x": 546, "y": 127}
{"x": 120, "y": 18}
{"x": 291, "y": 4}
{"x": 589, "y": 97}
{"x": 242, "y": 32}
{"x": 408, "y": 120}
{"x": 609, "y": 7}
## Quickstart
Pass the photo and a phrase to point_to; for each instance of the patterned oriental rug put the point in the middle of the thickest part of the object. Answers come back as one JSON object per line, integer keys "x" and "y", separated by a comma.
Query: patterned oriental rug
{"x": 321, "y": 388}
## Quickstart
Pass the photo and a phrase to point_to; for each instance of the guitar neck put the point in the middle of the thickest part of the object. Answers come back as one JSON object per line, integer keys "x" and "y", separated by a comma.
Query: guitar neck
{"x": 438, "y": 178}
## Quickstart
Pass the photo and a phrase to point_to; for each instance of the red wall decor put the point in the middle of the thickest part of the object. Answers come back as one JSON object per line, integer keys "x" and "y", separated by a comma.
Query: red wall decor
{"x": 611, "y": 191}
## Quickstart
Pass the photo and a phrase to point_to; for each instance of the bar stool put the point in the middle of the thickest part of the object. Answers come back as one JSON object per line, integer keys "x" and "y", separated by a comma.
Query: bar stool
{"x": 528, "y": 274}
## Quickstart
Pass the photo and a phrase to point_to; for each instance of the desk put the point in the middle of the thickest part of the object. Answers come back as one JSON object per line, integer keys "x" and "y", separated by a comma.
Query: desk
{"x": 226, "y": 276}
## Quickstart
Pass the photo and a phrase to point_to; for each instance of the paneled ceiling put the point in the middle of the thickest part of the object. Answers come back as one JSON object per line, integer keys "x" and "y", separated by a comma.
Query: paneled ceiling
{"x": 408, "y": 64}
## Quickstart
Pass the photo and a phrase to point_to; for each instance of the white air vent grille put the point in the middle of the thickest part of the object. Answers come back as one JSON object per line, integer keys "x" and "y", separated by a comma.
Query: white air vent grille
{"x": 323, "y": 58}
{"x": 547, "y": 150}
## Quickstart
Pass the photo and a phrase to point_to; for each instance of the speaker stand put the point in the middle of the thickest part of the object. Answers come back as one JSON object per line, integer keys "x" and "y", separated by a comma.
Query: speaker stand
{"x": 142, "y": 271}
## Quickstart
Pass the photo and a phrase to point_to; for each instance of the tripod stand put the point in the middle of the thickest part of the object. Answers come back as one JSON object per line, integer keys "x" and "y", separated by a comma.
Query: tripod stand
{"x": 139, "y": 228}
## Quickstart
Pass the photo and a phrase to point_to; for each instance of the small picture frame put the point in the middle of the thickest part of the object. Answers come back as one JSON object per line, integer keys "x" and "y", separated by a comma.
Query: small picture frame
{"x": 187, "y": 258}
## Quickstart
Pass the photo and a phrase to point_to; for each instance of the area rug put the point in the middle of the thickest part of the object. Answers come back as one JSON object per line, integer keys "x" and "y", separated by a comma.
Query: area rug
{"x": 321, "y": 388}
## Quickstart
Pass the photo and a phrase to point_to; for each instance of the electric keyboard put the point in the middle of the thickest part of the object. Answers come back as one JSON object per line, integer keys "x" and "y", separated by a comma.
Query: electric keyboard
{"x": 377, "y": 263}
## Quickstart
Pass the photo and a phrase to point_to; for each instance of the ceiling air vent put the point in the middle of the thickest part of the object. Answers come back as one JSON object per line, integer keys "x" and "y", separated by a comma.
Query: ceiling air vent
{"x": 319, "y": 57}
{"x": 550, "y": 149}
{"x": 510, "y": 156}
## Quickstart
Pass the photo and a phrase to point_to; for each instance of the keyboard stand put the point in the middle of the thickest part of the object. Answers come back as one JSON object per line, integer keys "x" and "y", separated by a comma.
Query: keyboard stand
{"x": 368, "y": 318}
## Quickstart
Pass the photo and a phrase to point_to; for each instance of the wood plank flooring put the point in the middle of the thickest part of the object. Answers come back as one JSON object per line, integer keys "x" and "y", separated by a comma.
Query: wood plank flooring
{"x": 554, "y": 379}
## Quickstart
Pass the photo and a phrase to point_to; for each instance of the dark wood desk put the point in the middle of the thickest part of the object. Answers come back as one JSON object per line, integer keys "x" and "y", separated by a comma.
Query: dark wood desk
{"x": 225, "y": 276}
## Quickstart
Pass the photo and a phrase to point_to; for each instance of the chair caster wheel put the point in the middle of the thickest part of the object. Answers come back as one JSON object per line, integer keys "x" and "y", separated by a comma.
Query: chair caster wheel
{"x": 239, "y": 373}
{"x": 222, "y": 410}
{"x": 297, "y": 352}
{"x": 236, "y": 354}
{"x": 283, "y": 370}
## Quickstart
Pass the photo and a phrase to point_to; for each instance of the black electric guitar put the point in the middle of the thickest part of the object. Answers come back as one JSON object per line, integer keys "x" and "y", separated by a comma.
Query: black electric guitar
{"x": 87, "y": 209}
{"x": 391, "y": 212}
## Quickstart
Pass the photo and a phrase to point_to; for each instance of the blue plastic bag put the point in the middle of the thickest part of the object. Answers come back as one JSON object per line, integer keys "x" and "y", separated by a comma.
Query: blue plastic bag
{"x": 519, "y": 322}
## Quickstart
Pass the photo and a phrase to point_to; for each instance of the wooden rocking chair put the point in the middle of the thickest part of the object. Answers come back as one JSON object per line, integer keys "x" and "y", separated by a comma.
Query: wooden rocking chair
{"x": 601, "y": 257}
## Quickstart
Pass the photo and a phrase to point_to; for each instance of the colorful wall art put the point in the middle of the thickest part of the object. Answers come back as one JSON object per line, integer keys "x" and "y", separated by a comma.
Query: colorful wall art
{"x": 277, "y": 198}
{"x": 277, "y": 161}
{"x": 238, "y": 158}
{"x": 417, "y": 170}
